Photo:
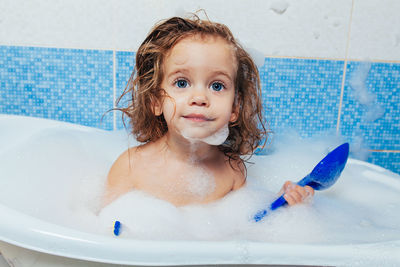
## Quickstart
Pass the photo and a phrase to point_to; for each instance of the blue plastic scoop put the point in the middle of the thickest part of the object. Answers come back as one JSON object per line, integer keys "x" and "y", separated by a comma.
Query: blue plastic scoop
{"x": 323, "y": 176}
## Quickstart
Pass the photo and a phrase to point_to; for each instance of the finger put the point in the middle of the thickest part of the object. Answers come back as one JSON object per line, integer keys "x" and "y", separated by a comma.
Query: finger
{"x": 285, "y": 187}
{"x": 310, "y": 194}
{"x": 309, "y": 190}
{"x": 305, "y": 193}
{"x": 289, "y": 199}
{"x": 296, "y": 195}
{"x": 288, "y": 186}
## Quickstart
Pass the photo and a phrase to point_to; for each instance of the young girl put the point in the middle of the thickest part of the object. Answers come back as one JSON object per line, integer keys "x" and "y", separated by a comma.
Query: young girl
{"x": 195, "y": 105}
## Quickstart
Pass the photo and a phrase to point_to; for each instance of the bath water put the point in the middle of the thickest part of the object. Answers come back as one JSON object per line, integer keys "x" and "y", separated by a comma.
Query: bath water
{"x": 58, "y": 174}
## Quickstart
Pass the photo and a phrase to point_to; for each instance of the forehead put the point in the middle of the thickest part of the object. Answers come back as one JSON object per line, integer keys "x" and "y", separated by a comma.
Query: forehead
{"x": 201, "y": 47}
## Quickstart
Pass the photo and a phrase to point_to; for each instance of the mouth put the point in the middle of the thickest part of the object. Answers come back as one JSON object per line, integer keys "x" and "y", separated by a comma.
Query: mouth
{"x": 197, "y": 118}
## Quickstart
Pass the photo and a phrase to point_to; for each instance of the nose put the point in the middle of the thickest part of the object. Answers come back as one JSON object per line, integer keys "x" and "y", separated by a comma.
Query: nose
{"x": 199, "y": 101}
{"x": 199, "y": 98}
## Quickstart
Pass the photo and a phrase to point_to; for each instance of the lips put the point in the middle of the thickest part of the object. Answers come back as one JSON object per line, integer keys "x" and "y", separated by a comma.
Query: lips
{"x": 197, "y": 117}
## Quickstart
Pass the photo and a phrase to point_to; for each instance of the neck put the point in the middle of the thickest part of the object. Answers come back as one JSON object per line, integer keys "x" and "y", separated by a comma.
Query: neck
{"x": 189, "y": 150}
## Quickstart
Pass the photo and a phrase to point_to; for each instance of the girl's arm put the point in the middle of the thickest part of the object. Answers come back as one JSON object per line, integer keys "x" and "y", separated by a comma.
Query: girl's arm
{"x": 118, "y": 179}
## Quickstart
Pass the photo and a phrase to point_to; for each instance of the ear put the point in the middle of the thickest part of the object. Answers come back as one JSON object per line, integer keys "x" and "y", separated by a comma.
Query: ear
{"x": 235, "y": 113}
{"x": 157, "y": 107}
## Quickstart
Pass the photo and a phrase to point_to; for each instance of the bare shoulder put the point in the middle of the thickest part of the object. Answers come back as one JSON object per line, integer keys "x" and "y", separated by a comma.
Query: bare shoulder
{"x": 121, "y": 166}
{"x": 239, "y": 170}
{"x": 120, "y": 178}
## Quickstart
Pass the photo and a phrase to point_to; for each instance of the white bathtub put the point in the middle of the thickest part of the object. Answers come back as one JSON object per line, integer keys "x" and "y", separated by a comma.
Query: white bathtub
{"x": 29, "y": 240}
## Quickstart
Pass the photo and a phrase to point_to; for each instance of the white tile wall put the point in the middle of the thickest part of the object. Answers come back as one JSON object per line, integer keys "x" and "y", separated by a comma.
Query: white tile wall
{"x": 57, "y": 23}
{"x": 307, "y": 28}
{"x": 375, "y": 30}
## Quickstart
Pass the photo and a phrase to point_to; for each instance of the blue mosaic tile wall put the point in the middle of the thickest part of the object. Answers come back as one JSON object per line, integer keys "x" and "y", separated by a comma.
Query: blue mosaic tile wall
{"x": 125, "y": 62}
{"x": 372, "y": 110}
{"x": 63, "y": 84}
{"x": 303, "y": 94}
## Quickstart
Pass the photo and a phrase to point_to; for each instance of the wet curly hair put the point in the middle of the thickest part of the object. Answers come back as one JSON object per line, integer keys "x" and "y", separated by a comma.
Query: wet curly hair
{"x": 144, "y": 86}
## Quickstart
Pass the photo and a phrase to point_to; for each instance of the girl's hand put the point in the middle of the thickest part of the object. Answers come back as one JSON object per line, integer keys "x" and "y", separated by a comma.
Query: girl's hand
{"x": 295, "y": 194}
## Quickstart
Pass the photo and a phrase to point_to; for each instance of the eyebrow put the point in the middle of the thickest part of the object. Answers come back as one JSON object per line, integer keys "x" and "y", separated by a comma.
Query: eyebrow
{"x": 218, "y": 72}
{"x": 177, "y": 71}
{"x": 223, "y": 73}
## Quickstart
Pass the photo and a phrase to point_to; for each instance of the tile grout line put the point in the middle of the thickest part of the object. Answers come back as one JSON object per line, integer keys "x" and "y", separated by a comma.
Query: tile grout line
{"x": 384, "y": 150}
{"x": 266, "y": 55}
{"x": 345, "y": 68}
{"x": 114, "y": 91}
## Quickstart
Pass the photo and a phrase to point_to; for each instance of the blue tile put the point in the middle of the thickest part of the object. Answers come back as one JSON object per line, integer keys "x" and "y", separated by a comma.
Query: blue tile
{"x": 70, "y": 85}
{"x": 390, "y": 161}
{"x": 301, "y": 94}
{"x": 371, "y": 109}
{"x": 124, "y": 67}
{"x": 77, "y": 86}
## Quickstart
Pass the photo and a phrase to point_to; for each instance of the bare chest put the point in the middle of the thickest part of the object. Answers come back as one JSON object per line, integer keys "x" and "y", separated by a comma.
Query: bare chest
{"x": 184, "y": 183}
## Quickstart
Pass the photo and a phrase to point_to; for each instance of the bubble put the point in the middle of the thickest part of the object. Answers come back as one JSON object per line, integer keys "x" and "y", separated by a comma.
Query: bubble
{"x": 215, "y": 139}
{"x": 358, "y": 82}
{"x": 200, "y": 182}
{"x": 279, "y": 6}
{"x": 344, "y": 214}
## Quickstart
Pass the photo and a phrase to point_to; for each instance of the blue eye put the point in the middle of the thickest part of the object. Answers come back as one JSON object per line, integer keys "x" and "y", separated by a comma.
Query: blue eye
{"x": 181, "y": 83}
{"x": 217, "y": 86}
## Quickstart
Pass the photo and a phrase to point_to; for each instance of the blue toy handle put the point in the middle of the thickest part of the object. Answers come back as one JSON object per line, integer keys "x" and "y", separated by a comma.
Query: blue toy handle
{"x": 117, "y": 228}
{"x": 278, "y": 203}
{"x": 259, "y": 215}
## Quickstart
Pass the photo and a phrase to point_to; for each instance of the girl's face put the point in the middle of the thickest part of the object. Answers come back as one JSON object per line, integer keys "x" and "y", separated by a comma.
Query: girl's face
{"x": 199, "y": 79}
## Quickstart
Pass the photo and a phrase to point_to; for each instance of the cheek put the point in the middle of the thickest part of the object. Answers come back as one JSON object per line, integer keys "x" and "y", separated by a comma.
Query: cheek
{"x": 226, "y": 112}
{"x": 169, "y": 109}
{"x": 229, "y": 109}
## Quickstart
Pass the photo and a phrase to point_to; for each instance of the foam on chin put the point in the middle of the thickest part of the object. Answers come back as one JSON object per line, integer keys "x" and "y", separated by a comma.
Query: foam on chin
{"x": 215, "y": 139}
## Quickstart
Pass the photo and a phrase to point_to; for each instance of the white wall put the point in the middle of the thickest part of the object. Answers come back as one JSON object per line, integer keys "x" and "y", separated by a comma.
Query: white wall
{"x": 307, "y": 28}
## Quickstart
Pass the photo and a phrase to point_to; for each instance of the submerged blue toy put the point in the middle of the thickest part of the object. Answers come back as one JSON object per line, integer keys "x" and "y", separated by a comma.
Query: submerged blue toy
{"x": 117, "y": 227}
{"x": 323, "y": 176}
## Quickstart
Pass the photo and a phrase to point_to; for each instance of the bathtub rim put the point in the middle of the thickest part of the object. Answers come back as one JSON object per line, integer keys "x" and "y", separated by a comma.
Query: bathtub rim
{"x": 49, "y": 238}
{"x": 80, "y": 245}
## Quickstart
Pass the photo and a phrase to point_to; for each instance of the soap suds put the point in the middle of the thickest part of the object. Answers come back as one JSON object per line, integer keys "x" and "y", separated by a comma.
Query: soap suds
{"x": 217, "y": 138}
{"x": 279, "y": 6}
{"x": 199, "y": 182}
{"x": 343, "y": 214}
{"x": 358, "y": 82}
{"x": 369, "y": 105}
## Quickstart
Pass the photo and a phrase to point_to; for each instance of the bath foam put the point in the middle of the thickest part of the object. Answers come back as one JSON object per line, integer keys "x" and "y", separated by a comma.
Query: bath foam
{"x": 194, "y": 182}
{"x": 215, "y": 139}
{"x": 68, "y": 165}
{"x": 218, "y": 138}
{"x": 373, "y": 110}
{"x": 199, "y": 182}
{"x": 279, "y": 6}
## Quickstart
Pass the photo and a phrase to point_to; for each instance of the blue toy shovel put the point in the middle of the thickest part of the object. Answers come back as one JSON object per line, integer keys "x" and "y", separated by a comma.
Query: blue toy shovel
{"x": 323, "y": 176}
